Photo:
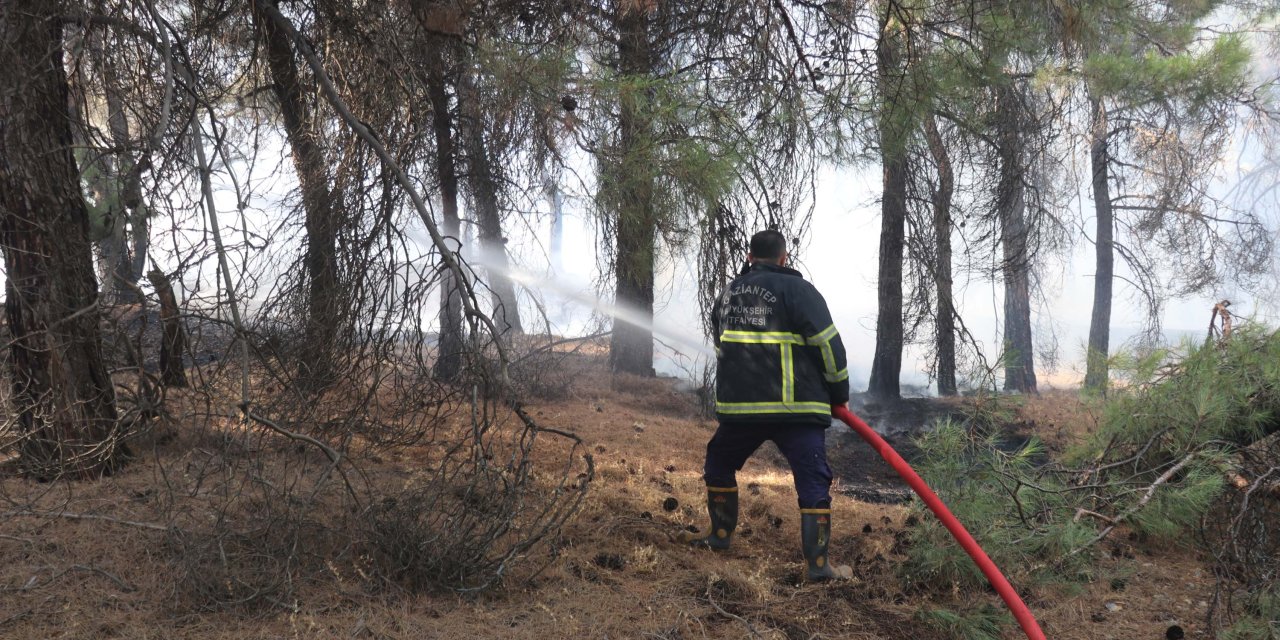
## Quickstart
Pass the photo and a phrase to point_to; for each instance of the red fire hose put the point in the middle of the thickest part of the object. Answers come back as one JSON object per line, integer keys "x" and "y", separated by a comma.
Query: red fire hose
{"x": 1020, "y": 611}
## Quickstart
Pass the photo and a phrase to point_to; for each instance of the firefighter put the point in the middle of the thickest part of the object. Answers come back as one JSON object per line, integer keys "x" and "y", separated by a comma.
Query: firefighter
{"x": 780, "y": 368}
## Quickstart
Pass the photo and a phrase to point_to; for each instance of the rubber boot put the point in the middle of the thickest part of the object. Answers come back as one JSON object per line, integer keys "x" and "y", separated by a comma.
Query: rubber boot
{"x": 815, "y": 535}
{"x": 722, "y": 505}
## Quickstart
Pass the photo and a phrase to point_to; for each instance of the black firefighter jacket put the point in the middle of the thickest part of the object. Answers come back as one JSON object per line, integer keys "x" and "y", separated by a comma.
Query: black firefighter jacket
{"x": 779, "y": 356}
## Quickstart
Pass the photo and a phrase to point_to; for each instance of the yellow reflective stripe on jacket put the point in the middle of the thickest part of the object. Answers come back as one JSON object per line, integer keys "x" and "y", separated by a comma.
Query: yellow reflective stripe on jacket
{"x": 788, "y": 375}
{"x": 761, "y": 337}
{"x": 822, "y": 337}
{"x": 741, "y": 408}
{"x": 823, "y": 341}
{"x": 786, "y": 342}
{"x": 828, "y": 358}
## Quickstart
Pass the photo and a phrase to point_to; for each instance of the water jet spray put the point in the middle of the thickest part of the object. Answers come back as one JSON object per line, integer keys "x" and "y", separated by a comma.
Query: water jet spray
{"x": 613, "y": 310}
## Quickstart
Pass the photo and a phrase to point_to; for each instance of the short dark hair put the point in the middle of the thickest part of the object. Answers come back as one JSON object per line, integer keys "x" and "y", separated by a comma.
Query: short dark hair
{"x": 768, "y": 245}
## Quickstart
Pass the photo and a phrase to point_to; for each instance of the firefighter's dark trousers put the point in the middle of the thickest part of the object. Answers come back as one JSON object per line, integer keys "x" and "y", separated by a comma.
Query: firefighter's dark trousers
{"x": 805, "y": 448}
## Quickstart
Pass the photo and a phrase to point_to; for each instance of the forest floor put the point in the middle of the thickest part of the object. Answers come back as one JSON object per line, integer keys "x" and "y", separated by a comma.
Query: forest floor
{"x": 618, "y": 573}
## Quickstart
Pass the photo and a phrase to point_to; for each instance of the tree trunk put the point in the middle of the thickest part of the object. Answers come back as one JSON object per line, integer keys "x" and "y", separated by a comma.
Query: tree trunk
{"x": 323, "y": 302}
{"x": 631, "y": 345}
{"x": 174, "y": 341}
{"x": 62, "y": 394}
{"x": 140, "y": 229}
{"x": 886, "y": 367}
{"x": 944, "y": 322}
{"x": 1019, "y": 356}
{"x": 1096, "y": 374}
{"x": 123, "y": 264}
{"x": 484, "y": 194}
{"x": 103, "y": 170}
{"x": 114, "y": 262}
{"x": 450, "y": 348}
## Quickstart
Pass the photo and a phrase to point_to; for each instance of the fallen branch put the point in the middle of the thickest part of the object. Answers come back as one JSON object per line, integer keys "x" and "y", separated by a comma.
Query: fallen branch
{"x": 124, "y": 586}
{"x": 335, "y": 458}
{"x": 33, "y": 582}
{"x": 1142, "y": 502}
{"x": 744, "y": 621}
{"x": 1080, "y": 513}
{"x": 88, "y": 516}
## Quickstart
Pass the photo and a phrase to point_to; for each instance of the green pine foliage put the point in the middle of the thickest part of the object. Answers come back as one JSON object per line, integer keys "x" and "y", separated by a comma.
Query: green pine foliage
{"x": 1173, "y": 512}
{"x": 1197, "y": 77}
{"x": 1157, "y": 467}
{"x": 1180, "y": 399}
{"x": 983, "y": 624}
{"x": 1021, "y": 517}
{"x": 689, "y": 173}
{"x": 1261, "y": 620}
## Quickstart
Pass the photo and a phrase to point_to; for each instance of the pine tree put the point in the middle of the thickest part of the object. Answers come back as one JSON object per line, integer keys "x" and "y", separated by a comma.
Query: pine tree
{"x": 62, "y": 394}
{"x": 1160, "y": 90}
{"x": 301, "y": 118}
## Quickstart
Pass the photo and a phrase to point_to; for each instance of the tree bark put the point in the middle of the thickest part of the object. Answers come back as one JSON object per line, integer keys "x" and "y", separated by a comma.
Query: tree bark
{"x": 62, "y": 394}
{"x": 124, "y": 251}
{"x": 174, "y": 340}
{"x": 114, "y": 262}
{"x": 631, "y": 345}
{"x": 101, "y": 170}
{"x": 451, "y": 345}
{"x": 484, "y": 194}
{"x": 1096, "y": 373}
{"x": 1019, "y": 356}
{"x": 140, "y": 229}
{"x": 886, "y": 367}
{"x": 323, "y": 300}
{"x": 944, "y": 322}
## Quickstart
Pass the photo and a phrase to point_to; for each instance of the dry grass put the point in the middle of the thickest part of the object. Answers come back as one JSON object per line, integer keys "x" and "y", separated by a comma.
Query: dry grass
{"x": 616, "y": 572}
{"x": 1060, "y": 416}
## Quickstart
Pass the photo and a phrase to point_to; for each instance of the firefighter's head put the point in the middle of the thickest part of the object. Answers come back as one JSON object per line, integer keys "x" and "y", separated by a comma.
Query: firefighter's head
{"x": 769, "y": 247}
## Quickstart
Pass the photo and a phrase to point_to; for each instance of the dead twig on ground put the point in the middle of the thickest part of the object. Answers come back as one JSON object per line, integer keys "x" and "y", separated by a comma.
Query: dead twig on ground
{"x": 88, "y": 516}
{"x": 747, "y": 623}
{"x": 1137, "y": 506}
